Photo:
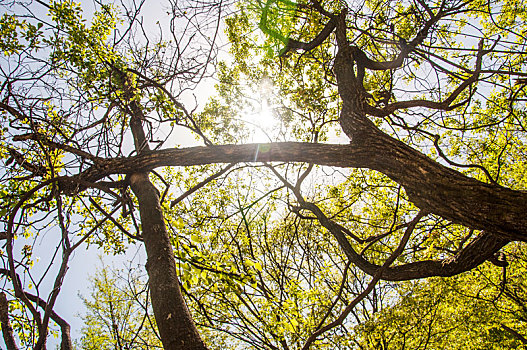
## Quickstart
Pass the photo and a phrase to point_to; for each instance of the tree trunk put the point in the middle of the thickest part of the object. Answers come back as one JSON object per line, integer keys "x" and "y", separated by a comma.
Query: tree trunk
{"x": 175, "y": 324}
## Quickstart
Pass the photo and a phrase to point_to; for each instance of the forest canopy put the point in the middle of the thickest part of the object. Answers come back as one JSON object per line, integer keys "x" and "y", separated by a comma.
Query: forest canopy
{"x": 356, "y": 179}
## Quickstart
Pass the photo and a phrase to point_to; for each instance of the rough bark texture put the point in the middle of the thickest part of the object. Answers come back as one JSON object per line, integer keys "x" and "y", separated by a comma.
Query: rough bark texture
{"x": 7, "y": 330}
{"x": 176, "y": 327}
{"x": 430, "y": 185}
{"x": 173, "y": 319}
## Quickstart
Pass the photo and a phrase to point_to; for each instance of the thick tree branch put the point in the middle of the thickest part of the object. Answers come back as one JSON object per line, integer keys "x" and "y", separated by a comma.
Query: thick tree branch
{"x": 430, "y": 185}
{"x": 478, "y": 251}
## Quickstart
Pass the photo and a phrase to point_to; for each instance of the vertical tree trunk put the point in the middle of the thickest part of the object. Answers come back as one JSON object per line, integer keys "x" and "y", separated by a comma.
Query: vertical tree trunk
{"x": 175, "y": 324}
{"x": 173, "y": 319}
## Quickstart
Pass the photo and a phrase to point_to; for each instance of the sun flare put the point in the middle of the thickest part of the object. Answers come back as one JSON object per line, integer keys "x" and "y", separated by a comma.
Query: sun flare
{"x": 261, "y": 121}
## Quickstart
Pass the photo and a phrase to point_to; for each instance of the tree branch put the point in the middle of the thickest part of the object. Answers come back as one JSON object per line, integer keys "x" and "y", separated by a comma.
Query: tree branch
{"x": 64, "y": 326}
{"x": 292, "y": 44}
{"x": 7, "y": 330}
{"x": 200, "y": 185}
{"x": 376, "y": 277}
{"x": 514, "y": 333}
{"x": 115, "y": 222}
{"x": 430, "y": 185}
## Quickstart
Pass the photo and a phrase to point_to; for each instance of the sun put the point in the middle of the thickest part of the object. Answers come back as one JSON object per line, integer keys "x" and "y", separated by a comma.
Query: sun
{"x": 262, "y": 122}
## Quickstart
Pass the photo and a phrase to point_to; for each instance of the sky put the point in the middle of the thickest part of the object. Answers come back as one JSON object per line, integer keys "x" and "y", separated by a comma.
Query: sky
{"x": 85, "y": 261}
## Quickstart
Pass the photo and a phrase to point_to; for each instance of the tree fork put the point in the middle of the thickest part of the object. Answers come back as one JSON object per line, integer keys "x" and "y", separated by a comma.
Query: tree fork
{"x": 175, "y": 324}
{"x": 429, "y": 185}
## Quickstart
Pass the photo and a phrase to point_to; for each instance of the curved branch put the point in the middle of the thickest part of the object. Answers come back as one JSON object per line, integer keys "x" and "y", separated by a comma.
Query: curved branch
{"x": 446, "y": 104}
{"x": 292, "y": 44}
{"x": 55, "y": 145}
{"x": 363, "y": 61}
{"x": 482, "y": 248}
{"x": 115, "y": 222}
{"x": 66, "y": 343}
{"x": 477, "y": 166}
{"x": 11, "y": 272}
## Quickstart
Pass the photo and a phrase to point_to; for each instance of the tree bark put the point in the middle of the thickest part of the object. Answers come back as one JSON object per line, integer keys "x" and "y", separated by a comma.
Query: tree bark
{"x": 430, "y": 185}
{"x": 7, "y": 330}
{"x": 177, "y": 329}
{"x": 175, "y": 324}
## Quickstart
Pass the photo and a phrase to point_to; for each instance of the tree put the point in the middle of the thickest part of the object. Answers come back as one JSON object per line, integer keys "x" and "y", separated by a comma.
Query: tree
{"x": 482, "y": 309}
{"x": 430, "y": 96}
{"x": 119, "y": 312}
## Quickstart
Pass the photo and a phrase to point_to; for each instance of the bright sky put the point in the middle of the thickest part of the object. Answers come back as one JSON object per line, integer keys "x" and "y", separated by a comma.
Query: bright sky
{"x": 84, "y": 262}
